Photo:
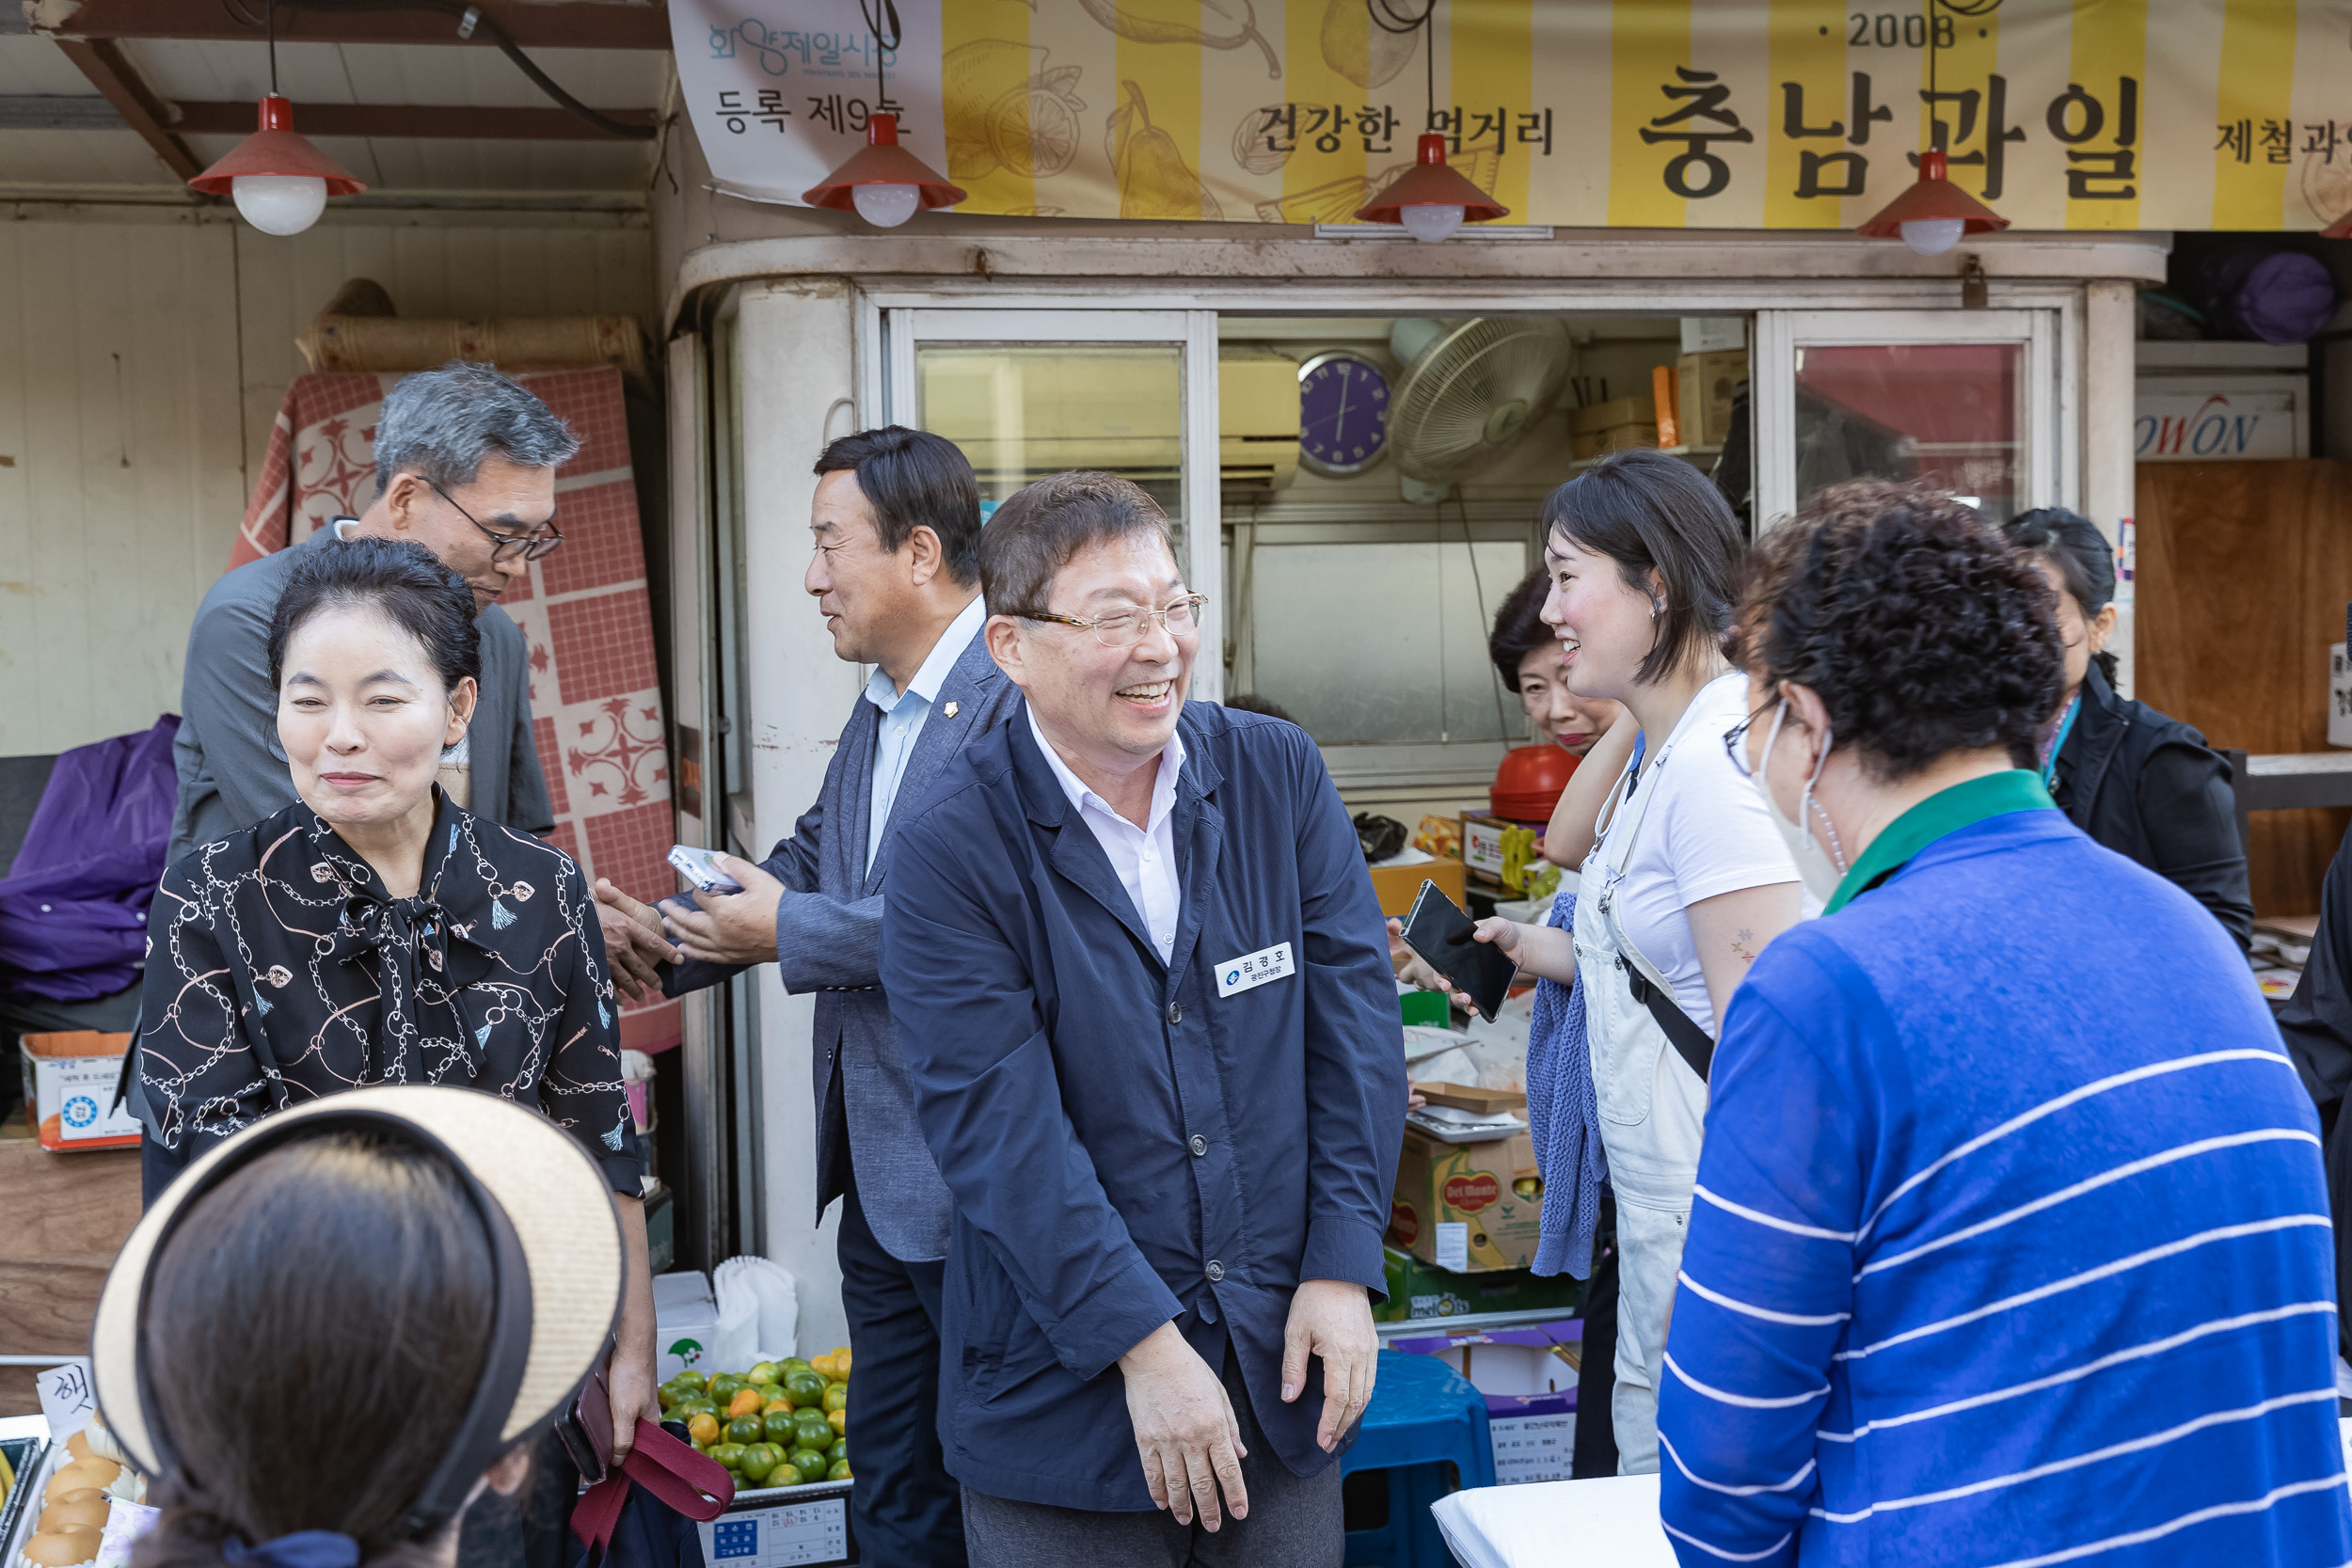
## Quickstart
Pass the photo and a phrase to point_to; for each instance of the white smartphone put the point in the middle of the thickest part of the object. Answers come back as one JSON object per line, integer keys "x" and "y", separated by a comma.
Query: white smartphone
{"x": 698, "y": 867}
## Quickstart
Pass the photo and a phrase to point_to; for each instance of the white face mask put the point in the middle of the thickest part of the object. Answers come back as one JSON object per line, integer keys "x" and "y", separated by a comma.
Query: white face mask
{"x": 1821, "y": 872}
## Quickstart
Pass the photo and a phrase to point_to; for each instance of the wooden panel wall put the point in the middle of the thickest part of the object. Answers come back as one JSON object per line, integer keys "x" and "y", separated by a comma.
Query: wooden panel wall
{"x": 2243, "y": 572}
{"x": 142, "y": 359}
{"x": 69, "y": 1215}
{"x": 121, "y": 467}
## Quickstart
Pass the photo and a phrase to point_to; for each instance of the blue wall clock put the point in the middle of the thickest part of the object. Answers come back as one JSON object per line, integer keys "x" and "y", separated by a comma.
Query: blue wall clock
{"x": 1342, "y": 413}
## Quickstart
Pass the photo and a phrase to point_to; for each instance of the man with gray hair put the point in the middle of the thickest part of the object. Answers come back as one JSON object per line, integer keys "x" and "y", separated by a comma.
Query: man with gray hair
{"x": 465, "y": 466}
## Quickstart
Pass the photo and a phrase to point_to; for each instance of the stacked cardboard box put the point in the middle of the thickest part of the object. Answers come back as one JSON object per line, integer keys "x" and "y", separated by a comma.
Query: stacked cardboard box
{"x": 1611, "y": 426}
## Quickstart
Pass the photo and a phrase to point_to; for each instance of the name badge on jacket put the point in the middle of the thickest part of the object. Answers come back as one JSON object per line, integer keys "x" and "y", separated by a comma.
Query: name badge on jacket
{"x": 1254, "y": 969}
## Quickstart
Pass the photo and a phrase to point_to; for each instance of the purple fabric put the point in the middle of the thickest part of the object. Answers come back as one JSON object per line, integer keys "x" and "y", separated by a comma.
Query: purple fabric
{"x": 2287, "y": 298}
{"x": 74, "y": 907}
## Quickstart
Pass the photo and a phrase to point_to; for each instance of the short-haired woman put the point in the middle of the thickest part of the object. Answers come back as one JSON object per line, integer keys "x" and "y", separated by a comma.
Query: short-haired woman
{"x": 1683, "y": 878}
{"x": 2144, "y": 785}
{"x": 1528, "y": 656}
{"x": 375, "y": 932}
{"x": 2010, "y": 1249}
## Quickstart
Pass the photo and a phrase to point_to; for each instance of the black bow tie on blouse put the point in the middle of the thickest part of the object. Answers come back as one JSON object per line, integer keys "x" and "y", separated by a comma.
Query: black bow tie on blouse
{"x": 413, "y": 942}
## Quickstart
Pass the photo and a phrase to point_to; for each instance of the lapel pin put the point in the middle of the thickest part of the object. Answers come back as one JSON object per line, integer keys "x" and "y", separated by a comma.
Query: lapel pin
{"x": 949, "y": 710}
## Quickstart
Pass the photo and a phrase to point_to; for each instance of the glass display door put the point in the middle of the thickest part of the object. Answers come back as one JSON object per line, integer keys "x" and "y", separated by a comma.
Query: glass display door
{"x": 1031, "y": 393}
{"x": 1966, "y": 401}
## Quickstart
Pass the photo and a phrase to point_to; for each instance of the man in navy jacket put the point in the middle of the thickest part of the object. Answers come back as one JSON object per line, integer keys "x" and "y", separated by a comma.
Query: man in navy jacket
{"x": 1142, "y": 988}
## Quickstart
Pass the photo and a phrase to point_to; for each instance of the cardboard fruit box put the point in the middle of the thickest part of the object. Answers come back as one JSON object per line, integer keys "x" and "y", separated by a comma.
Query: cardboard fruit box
{"x": 1418, "y": 1292}
{"x": 70, "y": 1081}
{"x": 1467, "y": 1207}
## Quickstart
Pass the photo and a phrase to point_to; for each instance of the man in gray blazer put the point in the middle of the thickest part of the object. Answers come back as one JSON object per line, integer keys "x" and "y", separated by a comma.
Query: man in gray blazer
{"x": 896, "y": 574}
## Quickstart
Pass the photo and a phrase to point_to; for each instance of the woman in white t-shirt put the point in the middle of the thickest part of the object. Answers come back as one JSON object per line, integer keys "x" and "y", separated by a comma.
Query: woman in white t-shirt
{"x": 1683, "y": 875}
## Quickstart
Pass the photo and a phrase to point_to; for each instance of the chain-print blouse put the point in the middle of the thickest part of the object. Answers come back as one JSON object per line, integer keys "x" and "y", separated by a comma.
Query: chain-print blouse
{"x": 278, "y": 969}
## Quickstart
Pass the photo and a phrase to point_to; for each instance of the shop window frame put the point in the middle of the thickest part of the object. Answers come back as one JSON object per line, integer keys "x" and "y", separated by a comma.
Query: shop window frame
{"x": 893, "y": 315}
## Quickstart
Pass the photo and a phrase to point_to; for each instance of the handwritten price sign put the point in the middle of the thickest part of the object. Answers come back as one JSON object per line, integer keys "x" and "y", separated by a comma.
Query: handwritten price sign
{"x": 66, "y": 1399}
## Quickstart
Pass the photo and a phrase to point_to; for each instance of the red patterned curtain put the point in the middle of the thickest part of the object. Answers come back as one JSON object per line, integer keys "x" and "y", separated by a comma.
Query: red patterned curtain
{"x": 595, "y": 699}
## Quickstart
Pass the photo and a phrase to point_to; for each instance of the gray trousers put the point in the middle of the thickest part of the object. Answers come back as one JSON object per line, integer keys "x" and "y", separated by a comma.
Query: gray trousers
{"x": 1292, "y": 1523}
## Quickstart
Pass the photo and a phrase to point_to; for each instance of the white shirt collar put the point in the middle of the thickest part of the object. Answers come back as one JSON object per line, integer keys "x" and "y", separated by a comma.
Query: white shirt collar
{"x": 936, "y": 664}
{"x": 1163, "y": 788}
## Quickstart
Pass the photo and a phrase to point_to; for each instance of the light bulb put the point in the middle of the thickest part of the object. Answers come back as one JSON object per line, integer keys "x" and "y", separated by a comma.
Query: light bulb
{"x": 1932, "y": 236}
{"x": 280, "y": 203}
{"x": 886, "y": 206}
{"x": 1429, "y": 222}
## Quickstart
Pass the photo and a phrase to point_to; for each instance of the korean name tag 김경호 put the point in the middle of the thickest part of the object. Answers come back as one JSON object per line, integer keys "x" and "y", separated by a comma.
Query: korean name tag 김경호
{"x": 1254, "y": 969}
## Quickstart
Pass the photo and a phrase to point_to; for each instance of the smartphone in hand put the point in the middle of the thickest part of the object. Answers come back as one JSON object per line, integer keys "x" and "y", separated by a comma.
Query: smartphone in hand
{"x": 1440, "y": 932}
{"x": 699, "y": 867}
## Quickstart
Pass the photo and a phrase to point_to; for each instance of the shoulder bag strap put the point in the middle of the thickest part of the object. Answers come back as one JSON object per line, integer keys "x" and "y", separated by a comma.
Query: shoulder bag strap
{"x": 1689, "y": 1041}
{"x": 693, "y": 1483}
{"x": 1642, "y": 980}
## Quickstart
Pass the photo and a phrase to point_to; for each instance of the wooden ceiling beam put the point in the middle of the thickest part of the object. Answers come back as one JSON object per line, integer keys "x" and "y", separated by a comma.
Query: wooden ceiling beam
{"x": 455, "y": 122}
{"x": 533, "y": 25}
{"x": 102, "y": 61}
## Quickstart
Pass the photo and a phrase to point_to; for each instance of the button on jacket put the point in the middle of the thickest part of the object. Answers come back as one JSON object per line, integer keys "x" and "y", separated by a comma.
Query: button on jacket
{"x": 1126, "y": 1146}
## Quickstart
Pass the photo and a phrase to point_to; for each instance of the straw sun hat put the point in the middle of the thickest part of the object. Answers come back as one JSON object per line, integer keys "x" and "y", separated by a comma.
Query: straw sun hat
{"x": 554, "y": 1237}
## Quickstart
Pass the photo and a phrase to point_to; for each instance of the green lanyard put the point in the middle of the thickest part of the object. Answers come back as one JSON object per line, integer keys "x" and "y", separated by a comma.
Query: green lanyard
{"x": 2058, "y": 742}
{"x": 1940, "y": 814}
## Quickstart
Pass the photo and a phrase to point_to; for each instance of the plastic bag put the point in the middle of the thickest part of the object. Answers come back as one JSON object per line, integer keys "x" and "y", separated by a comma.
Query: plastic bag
{"x": 759, "y": 1312}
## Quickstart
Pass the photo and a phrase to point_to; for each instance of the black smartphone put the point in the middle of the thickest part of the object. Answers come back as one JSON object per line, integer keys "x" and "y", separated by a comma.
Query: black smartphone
{"x": 1438, "y": 932}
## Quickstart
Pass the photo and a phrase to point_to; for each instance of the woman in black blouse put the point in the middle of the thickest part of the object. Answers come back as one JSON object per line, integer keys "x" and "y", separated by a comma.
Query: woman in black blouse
{"x": 2144, "y": 785}
{"x": 376, "y": 933}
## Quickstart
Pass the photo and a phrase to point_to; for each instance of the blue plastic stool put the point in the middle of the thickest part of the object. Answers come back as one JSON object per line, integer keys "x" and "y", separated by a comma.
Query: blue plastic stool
{"x": 1423, "y": 1414}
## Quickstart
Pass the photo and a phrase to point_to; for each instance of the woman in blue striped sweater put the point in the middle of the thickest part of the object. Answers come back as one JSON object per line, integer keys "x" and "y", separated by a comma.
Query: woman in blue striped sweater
{"x": 2009, "y": 1248}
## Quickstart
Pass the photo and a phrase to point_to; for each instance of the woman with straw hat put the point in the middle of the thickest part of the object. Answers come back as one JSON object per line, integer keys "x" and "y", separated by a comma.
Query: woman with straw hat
{"x": 347, "y": 1321}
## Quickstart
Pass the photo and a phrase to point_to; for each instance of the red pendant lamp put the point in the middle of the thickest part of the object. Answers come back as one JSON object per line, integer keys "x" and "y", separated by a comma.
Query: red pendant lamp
{"x": 882, "y": 181}
{"x": 1431, "y": 200}
{"x": 1933, "y": 214}
{"x": 281, "y": 182}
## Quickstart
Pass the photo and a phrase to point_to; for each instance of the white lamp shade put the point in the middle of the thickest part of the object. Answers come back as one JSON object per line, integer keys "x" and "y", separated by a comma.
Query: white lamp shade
{"x": 1932, "y": 236}
{"x": 886, "y": 206}
{"x": 280, "y": 203}
{"x": 1425, "y": 221}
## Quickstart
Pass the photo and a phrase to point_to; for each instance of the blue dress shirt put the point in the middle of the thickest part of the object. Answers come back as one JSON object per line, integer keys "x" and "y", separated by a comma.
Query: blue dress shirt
{"x": 903, "y": 712}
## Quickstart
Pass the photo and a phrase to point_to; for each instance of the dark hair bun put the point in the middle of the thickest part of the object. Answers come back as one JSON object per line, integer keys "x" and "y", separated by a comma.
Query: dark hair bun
{"x": 400, "y": 579}
{"x": 1920, "y": 629}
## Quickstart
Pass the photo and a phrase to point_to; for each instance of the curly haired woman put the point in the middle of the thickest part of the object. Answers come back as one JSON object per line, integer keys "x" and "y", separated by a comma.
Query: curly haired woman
{"x": 2007, "y": 1250}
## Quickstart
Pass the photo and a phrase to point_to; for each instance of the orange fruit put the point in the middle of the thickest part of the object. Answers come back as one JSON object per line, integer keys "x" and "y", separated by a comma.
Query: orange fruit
{"x": 779, "y": 1402}
{"x": 704, "y": 1428}
{"x": 839, "y": 1420}
{"x": 746, "y": 1403}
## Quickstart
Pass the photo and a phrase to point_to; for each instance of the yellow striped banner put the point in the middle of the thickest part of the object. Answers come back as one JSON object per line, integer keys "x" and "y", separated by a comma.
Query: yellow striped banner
{"x": 1713, "y": 114}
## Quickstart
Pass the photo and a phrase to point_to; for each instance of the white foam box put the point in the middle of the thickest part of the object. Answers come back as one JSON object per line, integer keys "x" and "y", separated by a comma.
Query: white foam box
{"x": 686, "y": 1318}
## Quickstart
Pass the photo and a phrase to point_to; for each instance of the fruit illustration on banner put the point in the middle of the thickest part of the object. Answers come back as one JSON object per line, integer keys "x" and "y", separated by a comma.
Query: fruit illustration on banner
{"x": 1253, "y": 145}
{"x": 1004, "y": 111}
{"x": 1154, "y": 182}
{"x": 1366, "y": 54}
{"x": 1211, "y": 23}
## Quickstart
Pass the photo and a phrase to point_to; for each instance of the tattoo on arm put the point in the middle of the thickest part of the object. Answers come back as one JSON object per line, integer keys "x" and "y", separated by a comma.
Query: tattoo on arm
{"x": 1743, "y": 947}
